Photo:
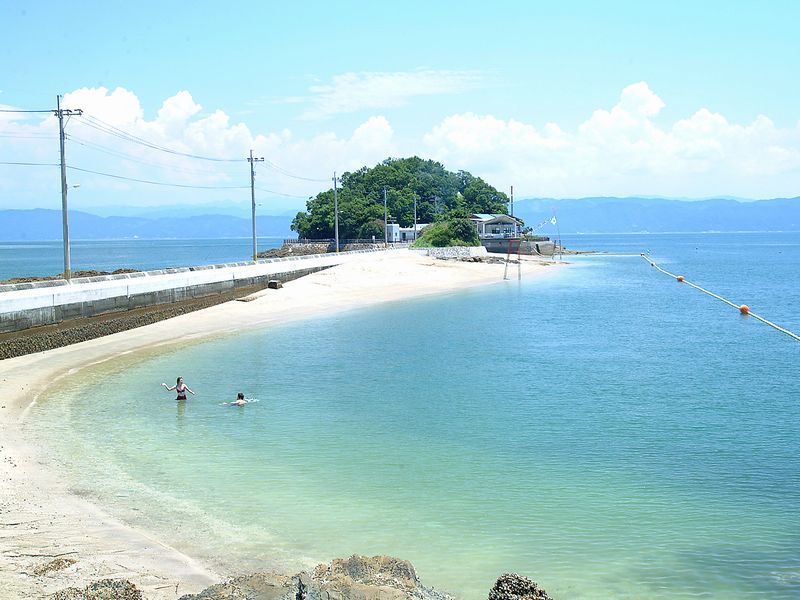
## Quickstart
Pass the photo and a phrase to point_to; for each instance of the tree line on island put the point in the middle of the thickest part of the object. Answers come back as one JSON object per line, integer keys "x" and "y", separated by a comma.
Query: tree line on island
{"x": 444, "y": 199}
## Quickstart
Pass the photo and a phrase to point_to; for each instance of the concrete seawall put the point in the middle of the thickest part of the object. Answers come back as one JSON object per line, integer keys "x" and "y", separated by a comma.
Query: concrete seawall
{"x": 27, "y": 305}
{"x": 527, "y": 247}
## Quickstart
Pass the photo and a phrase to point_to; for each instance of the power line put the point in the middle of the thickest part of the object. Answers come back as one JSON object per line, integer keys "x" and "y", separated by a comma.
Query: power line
{"x": 124, "y": 156}
{"x": 283, "y": 171}
{"x": 31, "y": 136}
{"x": 100, "y": 125}
{"x": 30, "y": 164}
{"x": 281, "y": 193}
{"x": 110, "y": 129}
{"x": 162, "y": 183}
{"x": 96, "y": 123}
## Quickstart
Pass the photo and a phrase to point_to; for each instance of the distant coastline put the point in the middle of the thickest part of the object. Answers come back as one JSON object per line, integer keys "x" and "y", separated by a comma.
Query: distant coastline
{"x": 582, "y": 216}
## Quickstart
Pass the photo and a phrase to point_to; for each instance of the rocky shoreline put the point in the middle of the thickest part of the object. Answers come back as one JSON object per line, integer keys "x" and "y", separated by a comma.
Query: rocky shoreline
{"x": 354, "y": 578}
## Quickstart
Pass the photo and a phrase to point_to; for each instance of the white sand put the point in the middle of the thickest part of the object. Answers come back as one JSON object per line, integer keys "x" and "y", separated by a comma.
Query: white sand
{"x": 40, "y": 518}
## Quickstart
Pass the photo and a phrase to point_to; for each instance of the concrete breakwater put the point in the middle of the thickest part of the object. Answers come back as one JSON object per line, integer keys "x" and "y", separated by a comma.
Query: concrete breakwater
{"x": 28, "y": 305}
{"x": 527, "y": 247}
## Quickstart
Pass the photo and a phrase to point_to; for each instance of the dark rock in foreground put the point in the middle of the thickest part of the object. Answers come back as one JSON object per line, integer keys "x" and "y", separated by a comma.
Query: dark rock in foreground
{"x": 357, "y": 577}
{"x": 516, "y": 587}
{"x": 105, "y": 589}
{"x": 354, "y": 578}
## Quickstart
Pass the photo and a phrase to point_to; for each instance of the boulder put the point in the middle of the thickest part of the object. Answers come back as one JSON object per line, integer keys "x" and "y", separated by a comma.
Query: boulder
{"x": 516, "y": 587}
{"x": 105, "y": 589}
{"x": 354, "y": 578}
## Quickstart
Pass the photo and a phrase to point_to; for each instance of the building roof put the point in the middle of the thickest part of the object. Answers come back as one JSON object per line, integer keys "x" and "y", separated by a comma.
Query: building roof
{"x": 488, "y": 217}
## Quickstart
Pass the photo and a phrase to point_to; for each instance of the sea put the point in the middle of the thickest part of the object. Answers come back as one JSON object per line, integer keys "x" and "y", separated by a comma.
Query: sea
{"x": 605, "y": 431}
{"x": 42, "y": 259}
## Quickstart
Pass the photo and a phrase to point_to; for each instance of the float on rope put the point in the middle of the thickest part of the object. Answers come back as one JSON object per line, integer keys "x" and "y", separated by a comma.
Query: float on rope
{"x": 743, "y": 309}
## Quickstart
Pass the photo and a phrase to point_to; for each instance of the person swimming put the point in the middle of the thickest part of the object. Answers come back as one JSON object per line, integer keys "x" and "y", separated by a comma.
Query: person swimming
{"x": 240, "y": 401}
{"x": 180, "y": 388}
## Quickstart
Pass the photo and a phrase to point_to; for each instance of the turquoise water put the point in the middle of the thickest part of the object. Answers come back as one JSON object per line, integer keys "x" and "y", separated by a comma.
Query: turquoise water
{"x": 606, "y": 432}
{"x": 28, "y": 259}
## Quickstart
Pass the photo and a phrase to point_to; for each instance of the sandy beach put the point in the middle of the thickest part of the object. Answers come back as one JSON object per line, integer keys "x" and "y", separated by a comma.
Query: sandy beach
{"x": 41, "y": 519}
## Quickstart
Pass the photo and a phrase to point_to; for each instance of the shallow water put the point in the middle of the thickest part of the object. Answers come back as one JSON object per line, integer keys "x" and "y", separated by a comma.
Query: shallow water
{"x": 607, "y": 432}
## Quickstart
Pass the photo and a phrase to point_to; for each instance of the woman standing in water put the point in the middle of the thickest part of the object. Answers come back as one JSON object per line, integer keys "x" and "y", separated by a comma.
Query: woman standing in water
{"x": 180, "y": 389}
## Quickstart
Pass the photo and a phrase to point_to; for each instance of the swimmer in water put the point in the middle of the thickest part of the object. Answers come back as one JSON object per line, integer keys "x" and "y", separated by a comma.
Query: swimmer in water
{"x": 240, "y": 401}
{"x": 180, "y": 388}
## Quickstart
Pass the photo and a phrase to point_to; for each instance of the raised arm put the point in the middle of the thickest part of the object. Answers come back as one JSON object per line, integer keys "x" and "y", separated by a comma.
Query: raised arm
{"x": 169, "y": 389}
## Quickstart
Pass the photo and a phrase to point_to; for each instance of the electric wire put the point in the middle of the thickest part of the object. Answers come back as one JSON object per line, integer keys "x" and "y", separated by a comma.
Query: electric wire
{"x": 30, "y": 164}
{"x": 283, "y": 171}
{"x": 161, "y": 183}
{"x": 261, "y": 189}
{"x": 96, "y": 123}
{"x": 30, "y": 136}
{"x": 124, "y": 156}
{"x": 109, "y": 129}
{"x": 100, "y": 125}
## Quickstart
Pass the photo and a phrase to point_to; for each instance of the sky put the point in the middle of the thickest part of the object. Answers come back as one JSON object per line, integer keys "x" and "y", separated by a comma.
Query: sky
{"x": 559, "y": 99}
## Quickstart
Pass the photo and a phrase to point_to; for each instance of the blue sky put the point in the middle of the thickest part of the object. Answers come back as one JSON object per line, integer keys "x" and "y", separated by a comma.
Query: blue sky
{"x": 687, "y": 99}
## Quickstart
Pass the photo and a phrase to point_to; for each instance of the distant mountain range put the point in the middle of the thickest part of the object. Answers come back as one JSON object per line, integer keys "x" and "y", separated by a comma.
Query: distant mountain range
{"x": 656, "y": 215}
{"x": 583, "y": 215}
{"x": 44, "y": 224}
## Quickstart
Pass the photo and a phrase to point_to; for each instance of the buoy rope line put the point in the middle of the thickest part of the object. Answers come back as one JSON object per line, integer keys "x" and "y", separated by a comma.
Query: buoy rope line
{"x": 742, "y": 308}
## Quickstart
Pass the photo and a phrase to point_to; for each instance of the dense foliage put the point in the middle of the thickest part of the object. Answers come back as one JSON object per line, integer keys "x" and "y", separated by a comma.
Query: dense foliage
{"x": 455, "y": 232}
{"x": 441, "y": 196}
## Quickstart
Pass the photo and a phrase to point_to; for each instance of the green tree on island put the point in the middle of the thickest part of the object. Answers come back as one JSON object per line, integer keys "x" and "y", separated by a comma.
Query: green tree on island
{"x": 442, "y": 196}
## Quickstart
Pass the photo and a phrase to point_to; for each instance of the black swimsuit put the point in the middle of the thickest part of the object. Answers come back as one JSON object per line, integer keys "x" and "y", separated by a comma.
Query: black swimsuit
{"x": 181, "y": 393}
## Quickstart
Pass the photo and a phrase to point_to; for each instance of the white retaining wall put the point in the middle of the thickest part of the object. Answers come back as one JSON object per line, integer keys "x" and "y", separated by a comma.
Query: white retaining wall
{"x": 27, "y": 305}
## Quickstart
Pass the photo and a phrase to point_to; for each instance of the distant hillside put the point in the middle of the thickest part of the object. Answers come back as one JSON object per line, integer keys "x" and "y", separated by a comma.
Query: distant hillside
{"x": 584, "y": 215}
{"x": 44, "y": 224}
{"x": 631, "y": 215}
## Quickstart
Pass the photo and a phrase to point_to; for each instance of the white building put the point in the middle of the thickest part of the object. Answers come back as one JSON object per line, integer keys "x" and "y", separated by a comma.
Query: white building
{"x": 496, "y": 226}
{"x": 403, "y": 234}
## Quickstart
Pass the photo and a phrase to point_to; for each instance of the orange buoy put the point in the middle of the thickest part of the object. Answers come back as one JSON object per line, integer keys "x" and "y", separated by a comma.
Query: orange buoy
{"x": 679, "y": 278}
{"x": 744, "y": 309}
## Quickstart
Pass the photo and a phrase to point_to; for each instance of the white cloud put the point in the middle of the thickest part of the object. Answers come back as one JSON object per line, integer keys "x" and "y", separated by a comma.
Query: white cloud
{"x": 181, "y": 126}
{"x": 351, "y": 92}
{"x": 625, "y": 150}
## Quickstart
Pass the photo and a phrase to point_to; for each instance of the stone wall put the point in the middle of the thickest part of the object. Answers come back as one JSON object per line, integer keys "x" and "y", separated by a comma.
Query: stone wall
{"x": 452, "y": 252}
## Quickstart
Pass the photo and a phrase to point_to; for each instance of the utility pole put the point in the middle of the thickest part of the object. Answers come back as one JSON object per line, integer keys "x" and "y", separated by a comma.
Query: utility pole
{"x": 512, "y": 200}
{"x": 415, "y": 217}
{"x": 335, "y": 212}
{"x": 60, "y": 113}
{"x": 252, "y": 162}
{"x": 385, "y": 220}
